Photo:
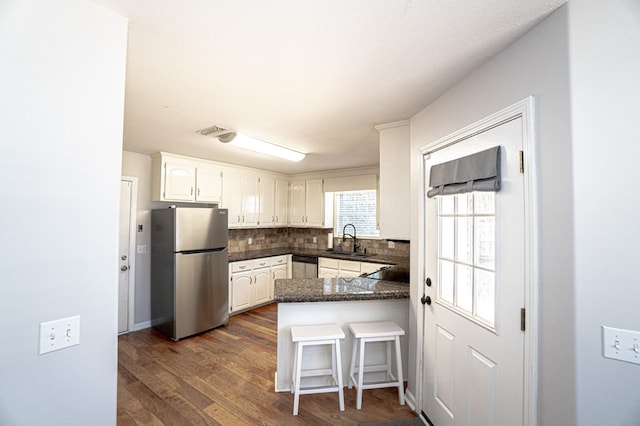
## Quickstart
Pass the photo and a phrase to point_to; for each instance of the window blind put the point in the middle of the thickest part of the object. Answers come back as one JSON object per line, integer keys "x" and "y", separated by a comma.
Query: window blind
{"x": 475, "y": 172}
{"x": 351, "y": 183}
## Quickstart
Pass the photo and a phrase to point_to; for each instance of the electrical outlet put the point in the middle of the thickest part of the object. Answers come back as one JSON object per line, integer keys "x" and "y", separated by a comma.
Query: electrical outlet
{"x": 250, "y": 241}
{"x": 315, "y": 240}
{"x": 623, "y": 345}
{"x": 59, "y": 334}
{"x": 391, "y": 245}
{"x": 141, "y": 249}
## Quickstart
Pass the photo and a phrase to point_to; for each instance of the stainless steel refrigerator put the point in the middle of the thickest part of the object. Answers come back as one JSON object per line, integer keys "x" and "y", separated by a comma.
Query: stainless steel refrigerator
{"x": 189, "y": 270}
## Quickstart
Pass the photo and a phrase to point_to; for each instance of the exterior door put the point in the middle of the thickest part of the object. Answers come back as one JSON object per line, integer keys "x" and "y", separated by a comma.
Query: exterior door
{"x": 123, "y": 255}
{"x": 475, "y": 290}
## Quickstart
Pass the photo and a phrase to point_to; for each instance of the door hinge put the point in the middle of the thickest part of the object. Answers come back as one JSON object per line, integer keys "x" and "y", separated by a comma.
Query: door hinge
{"x": 521, "y": 161}
{"x": 523, "y": 317}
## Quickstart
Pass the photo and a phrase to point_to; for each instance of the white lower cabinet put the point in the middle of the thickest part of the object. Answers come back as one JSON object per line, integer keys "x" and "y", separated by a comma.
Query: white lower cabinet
{"x": 277, "y": 272}
{"x": 333, "y": 268}
{"x": 251, "y": 282}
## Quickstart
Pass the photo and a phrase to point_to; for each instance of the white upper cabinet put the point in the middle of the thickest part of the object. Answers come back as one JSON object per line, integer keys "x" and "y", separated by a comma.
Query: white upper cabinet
{"x": 282, "y": 202}
{"x": 179, "y": 181}
{"x": 395, "y": 180}
{"x": 307, "y": 203}
{"x": 240, "y": 195}
{"x": 177, "y": 178}
{"x": 297, "y": 214}
{"x": 315, "y": 202}
{"x": 250, "y": 200}
{"x": 274, "y": 198}
{"x": 208, "y": 184}
{"x": 232, "y": 198}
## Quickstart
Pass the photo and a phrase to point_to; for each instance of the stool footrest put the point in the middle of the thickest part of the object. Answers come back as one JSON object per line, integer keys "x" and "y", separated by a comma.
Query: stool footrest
{"x": 316, "y": 372}
{"x": 372, "y": 368}
{"x": 319, "y": 389}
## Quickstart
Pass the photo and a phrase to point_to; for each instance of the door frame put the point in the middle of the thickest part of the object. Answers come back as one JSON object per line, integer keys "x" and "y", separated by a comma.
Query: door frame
{"x": 526, "y": 110}
{"x": 133, "y": 212}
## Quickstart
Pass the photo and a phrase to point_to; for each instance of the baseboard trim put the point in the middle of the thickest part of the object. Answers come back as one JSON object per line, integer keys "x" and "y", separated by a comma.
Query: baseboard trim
{"x": 141, "y": 326}
{"x": 410, "y": 399}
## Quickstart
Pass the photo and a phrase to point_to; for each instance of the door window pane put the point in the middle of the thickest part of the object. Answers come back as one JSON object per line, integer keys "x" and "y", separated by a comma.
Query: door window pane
{"x": 464, "y": 287}
{"x": 485, "y": 295}
{"x": 464, "y": 243}
{"x": 446, "y": 281}
{"x": 485, "y": 234}
{"x": 447, "y": 241}
{"x": 466, "y": 254}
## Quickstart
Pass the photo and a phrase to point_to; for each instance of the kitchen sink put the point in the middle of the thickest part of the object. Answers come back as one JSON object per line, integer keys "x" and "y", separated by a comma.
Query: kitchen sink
{"x": 350, "y": 254}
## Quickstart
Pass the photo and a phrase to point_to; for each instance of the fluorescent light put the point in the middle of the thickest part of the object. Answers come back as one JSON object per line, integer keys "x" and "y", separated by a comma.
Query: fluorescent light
{"x": 257, "y": 145}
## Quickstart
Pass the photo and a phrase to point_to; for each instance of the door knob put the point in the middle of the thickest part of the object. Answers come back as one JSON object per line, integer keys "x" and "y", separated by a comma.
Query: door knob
{"x": 426, "y": 300}
{"x": 124, "y": 268}
{"x": 124, "y": 257}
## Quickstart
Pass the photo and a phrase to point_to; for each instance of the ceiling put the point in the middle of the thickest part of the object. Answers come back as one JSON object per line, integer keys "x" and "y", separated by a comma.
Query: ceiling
{"x": 314, "y": 76}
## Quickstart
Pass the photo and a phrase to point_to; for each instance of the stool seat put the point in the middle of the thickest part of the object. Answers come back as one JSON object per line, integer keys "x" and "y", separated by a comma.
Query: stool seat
{"x": 369, "y": 332}
{"x": 376, "y": 329}
{"x": 315, "y": 335}
{"x": 316, "y": 332}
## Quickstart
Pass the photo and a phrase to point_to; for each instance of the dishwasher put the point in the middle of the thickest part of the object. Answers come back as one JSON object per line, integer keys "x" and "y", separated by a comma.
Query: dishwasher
{"x": 304, "y": 266}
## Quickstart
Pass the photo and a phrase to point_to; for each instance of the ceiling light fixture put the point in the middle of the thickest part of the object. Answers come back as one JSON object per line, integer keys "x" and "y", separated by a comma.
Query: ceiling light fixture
{"x": 252, "y": 144}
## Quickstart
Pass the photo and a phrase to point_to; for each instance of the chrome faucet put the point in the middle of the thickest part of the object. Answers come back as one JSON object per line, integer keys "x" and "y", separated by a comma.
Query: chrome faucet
{"x": 356, "y": 246}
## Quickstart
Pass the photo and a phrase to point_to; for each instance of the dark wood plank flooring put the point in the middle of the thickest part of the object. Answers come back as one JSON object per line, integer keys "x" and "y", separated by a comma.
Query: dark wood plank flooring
{"x": 226, "y": 377}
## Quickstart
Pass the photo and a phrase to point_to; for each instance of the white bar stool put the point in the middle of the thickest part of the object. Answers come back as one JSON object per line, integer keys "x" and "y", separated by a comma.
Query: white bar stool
{"x": 313, "y": 335}
{"x": 367, "y": 332}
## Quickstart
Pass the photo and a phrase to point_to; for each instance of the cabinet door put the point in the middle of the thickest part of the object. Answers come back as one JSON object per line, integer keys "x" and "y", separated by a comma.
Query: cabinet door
{"x": 324, "y": 272}
{"x": 262, "y": 284}
{"x": 232, "y": 198}
{"x": 250, "y": 203}
{"x": 179, "y": 181}
{"x": 241, "y": 286}
{"x": 208, "y": 184}
{"x": 314, "y": 202}
{"x": 348, "y": 274}
{"x": 277, "y": 273}
{"x": 370, "y": 267}
{"x": 297, "y": 193}
{"x": 267, "y": 201}
{"x": 282, "y": 203}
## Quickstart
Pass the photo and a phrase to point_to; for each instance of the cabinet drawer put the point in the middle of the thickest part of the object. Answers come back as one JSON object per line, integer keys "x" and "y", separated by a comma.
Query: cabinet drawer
{"x": 261, "y": 263}
{"x": 325, "y": 262}
{"x": 278, "y": 260}
{"x": 241, "y": 266}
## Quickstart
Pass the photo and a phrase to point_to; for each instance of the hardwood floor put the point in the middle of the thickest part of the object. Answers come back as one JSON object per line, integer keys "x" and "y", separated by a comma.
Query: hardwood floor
{"x": 226, "y": 377}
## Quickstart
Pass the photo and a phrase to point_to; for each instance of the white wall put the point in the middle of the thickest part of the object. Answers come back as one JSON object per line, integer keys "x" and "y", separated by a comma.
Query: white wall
{"x": 61, "y": 120}
{"x": 537, "y": 64}
{"x": 605, "y": 87}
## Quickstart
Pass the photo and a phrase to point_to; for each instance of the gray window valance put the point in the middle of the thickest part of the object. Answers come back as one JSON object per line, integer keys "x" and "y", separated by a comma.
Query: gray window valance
{"x": 476, "y": 172}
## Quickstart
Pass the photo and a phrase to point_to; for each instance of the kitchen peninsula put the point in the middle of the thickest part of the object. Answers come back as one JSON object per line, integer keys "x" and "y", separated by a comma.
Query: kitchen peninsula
{"x": 340, "y": 301}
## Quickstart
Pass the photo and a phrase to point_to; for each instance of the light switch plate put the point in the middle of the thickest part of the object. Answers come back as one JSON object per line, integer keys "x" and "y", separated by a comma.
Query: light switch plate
{"x": 58, "y": 334}
{"x": 141, "y": 249}
{"x": 620, "y": 344}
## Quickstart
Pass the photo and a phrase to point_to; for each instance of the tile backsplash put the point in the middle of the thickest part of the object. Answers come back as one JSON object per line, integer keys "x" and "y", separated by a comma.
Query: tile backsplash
{"x": 307, "y": 238}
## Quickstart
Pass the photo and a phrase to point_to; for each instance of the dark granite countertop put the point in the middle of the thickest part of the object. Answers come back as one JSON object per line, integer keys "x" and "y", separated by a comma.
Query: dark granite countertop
{"x": 338, "y": 289}
{"x": 376, "y": 258}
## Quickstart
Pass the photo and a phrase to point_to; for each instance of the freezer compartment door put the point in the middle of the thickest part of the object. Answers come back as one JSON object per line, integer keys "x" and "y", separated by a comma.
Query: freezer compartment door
{"x": 201, "y": 292}
{"x": 200, "y": 229}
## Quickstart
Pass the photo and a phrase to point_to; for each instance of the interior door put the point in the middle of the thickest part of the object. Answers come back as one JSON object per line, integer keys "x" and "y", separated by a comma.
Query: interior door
{"x": 123, "y": 256}
{"x": 474, "y": 292}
